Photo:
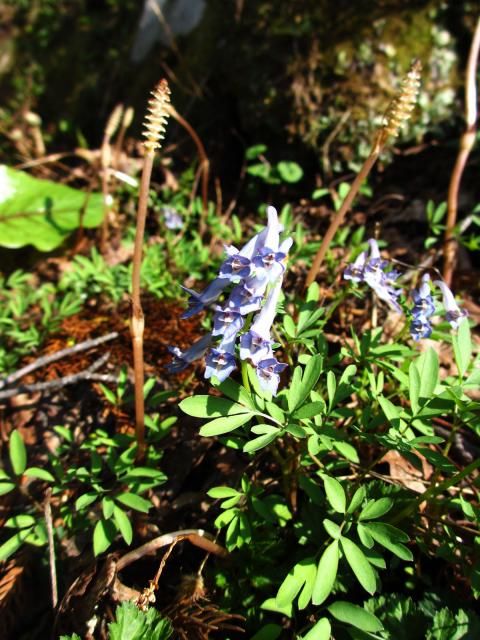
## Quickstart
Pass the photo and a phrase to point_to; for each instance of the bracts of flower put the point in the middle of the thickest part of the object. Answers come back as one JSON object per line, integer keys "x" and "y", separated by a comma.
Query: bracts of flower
{"x": 380, "y": 276}
{"x": 254, "y": 276}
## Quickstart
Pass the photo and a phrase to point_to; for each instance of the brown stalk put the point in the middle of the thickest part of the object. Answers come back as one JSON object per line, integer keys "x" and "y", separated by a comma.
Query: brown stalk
{"x": 155, "y": 122}
{"x": 396, "y": 115}
{"x": 466, "y": 144}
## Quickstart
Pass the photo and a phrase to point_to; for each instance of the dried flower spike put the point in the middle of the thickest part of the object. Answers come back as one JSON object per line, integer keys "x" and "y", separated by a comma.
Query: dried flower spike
{"x": 156, "y": 118}
{"x": 402, "y": 105}
{"x": 113, "y": 121}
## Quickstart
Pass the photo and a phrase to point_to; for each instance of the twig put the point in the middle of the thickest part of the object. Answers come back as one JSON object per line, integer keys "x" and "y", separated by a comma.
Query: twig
{"x": 53, "y": 357}
{"x": 155, "y": 122}
{"x": 466, "y": 144}
{"x": 398, "y": 112}
{"x": 86, "y": 374}
{"x": 197, "y": 537}
{"x": 47, "y": 510}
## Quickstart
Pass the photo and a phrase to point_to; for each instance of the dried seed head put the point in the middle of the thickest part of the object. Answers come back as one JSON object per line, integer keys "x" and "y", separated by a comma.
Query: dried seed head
{"x": 128, "y": 117}
{"x": 156, "y": 118}
{"x": 113, "y": 121}
{"x": 402, "y": 105}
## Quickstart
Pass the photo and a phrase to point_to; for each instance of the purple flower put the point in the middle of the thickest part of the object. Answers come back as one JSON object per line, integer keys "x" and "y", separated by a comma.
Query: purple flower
{"x": 181, "y": 359}
{"x": 198, "y": 301}
{"x": 423, "y": 309}
{"x": 267, "y": 372}
{"x": 254, "y": 347}
{"x": 354, "y": 271}
{"x": 371, "y": 270}
{"x": 172, "y": 219}
{"x": 263, "y": 321}
{"x": 245, "y": 299}
{"x": 453, "y": 312}
{"x": 236, "y": 266}
{"x": 226, "y": 323}
{"x": 219, "y": 363}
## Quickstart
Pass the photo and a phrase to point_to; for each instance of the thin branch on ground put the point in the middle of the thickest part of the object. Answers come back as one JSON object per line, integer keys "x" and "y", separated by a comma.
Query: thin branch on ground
{"x": 53, "y": 357}
{"x": 51, "y": 385}
{"x": 197, "y": 537}
{"x": 47, "y": 510}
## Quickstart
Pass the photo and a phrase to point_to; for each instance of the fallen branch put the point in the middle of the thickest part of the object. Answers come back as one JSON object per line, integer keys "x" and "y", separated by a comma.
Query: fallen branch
{"x": 53, "y": 357}
{"x": 86, "y": 374}
{"x": 197, "y": 537}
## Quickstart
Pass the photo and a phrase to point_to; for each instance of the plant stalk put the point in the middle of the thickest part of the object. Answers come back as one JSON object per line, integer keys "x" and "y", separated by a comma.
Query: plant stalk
{"x": 466, "y": 144}
{"x": 346, "y": 204}
{"x": 137, "y": 320}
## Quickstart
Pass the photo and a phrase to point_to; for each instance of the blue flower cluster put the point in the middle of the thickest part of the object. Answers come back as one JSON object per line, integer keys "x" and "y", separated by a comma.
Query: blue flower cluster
{"x": 371, "y": 269}
{"x": 256, "y": 273}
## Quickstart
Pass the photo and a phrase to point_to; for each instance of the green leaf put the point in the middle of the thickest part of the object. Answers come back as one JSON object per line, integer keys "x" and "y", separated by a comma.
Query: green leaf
{"x": 41, "y": 212}
{"x": 335, "y": 493}
{"x": 108, "y": 506}
{"x": 6, "y": 487}
{"x": 326, "y": 573}
{"x": 302, "y": 385}
{"x": 376, "y": 508}
{"x": 270, "y": 631}
{"x": 211, "y": 407}
{"x": 414, "y": 386}
{"x": 224, "y": 425}
{"x": 331, "y": 388}
{"x": 359, "y": 565}
{"x": 103, "y": 536}
{"x": 389, "y": 537}
{"x": 85, "y": 500}
{"x": 357, "y": 499}
{"x": 262, "y": 441}
{"x": 290, "y": 171}
{"x": 236, "y": 392}
{"x": 131, "y": 623}
{"x": 41, "y": 474}
{"x": 347, "y": 450}
{"x": 17, "y": 453}
{"x": 123, "y": 523}
{"x": 392, "y": 413}
{"x": 289, "y": 326}
{"x": 462, "y": 347}
{"x": 223, "y": 492}
{"x": 133, "y": 501}
{"x": 296, "y": 578}
{"x": 22, "y": 521}
{"x": 332, "y": 528}
{"x": 310, "y": 410}
{"x": 428, "y": 368}
{"x": 356, "y": 616}
{"x": 14, "y": 543}
{"x": 320, "y": 631}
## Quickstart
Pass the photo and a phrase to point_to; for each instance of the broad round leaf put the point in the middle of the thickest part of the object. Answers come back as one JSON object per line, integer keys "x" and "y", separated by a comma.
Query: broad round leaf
{"x": 210, "y": 407}
{"x": 41, "y": 212}
{"x": 290, "y": 171}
